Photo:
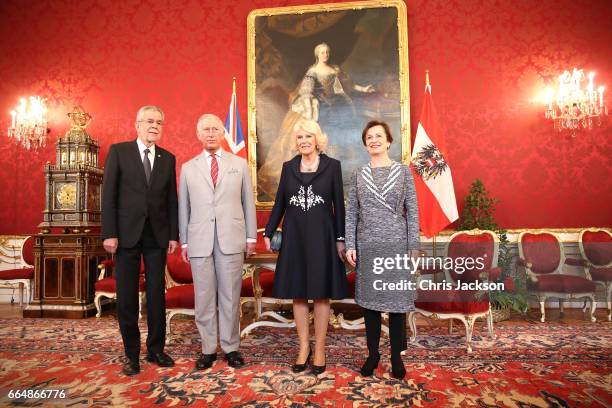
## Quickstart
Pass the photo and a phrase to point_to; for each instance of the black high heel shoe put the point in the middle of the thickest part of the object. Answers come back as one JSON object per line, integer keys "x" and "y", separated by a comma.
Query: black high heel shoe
{"x": 397, "y": 368}
{"x": 316, "y": 370}
{"x": 298, "y": 368}
{"x": 367, "y": 369}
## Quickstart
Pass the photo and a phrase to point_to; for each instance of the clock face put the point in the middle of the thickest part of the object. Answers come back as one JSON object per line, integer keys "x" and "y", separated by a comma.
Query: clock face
{"x": 65, "y": 196}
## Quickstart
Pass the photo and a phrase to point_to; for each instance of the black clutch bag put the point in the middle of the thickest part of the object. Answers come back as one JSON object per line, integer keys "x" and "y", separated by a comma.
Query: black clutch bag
{"x": 275, "y": 241}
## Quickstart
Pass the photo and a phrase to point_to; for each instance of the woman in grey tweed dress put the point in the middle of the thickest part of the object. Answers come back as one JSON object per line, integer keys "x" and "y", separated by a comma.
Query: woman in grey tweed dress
{"x": 382, "y": 221}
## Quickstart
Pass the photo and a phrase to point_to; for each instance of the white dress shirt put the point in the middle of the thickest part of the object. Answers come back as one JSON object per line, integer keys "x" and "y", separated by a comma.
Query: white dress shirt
{"x": 141, "y": 149}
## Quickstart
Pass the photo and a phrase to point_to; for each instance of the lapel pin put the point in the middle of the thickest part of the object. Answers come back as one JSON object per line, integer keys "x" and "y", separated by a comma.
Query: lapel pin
{"x": 159, "y": 155}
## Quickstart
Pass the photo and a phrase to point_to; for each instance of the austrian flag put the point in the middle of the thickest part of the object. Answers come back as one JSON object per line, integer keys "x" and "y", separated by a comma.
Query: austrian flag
{"x": 432, "y": 174}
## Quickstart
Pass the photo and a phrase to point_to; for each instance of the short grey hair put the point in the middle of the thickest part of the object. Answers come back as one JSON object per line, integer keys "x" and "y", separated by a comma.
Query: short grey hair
{"x": 145, "y": 108}
{"x": 209, "y": 116}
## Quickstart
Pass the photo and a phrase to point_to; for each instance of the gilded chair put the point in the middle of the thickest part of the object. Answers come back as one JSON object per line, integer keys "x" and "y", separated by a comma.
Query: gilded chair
{"x": 180, "y": 294}
{"x": 260, "y": 273}
{"x": 464, "y": 305}
{"x": 106, "y": 286}
{"x": 20, "y": 277}
{"x": 180, "y": 297}
{"x": 596, "y": 250}
{"x": 541, "y": 254}
{"x": 355, "y": 324}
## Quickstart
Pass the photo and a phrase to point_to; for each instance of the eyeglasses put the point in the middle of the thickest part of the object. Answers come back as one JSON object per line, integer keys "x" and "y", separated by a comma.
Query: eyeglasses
{"x": 151, "y": 122}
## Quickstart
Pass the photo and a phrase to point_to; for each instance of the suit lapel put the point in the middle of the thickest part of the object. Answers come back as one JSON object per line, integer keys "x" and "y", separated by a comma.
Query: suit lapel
{"x": 202, "y": 165}
{"x": 323, "y": 163}
{"x": 158, "y": 163}
{"x": 223, "y": 165}
{"x": 138, "y": 163}
{"x": 294, "y": 164}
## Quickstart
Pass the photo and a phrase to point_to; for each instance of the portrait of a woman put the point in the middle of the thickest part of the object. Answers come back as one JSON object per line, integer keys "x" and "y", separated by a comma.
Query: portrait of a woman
{"x": 339, "y": 68}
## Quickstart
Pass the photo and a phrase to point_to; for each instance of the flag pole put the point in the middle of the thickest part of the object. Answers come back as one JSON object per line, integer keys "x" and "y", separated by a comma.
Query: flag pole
{"x": 433, "y": 244}
{"x": 428, "y": 85}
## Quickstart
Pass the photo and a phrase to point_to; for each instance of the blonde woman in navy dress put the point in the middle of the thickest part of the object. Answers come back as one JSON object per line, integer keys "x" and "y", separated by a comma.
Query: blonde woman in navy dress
{"x": 310, "y": 262}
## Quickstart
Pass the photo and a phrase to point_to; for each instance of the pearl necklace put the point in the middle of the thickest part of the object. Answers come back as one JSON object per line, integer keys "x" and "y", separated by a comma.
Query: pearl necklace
{"x": 311, "y": 168}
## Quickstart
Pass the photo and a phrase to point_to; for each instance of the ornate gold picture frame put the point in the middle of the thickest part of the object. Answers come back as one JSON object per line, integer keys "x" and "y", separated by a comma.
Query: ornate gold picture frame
{"x": 340, "y": 64}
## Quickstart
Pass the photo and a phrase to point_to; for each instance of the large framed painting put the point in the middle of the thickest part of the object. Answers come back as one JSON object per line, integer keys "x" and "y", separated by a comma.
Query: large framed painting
{"x": 340, "y": 64}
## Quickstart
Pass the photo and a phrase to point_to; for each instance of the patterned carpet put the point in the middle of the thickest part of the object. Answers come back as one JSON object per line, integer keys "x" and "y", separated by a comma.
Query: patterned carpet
{"x": 527, "y": 365}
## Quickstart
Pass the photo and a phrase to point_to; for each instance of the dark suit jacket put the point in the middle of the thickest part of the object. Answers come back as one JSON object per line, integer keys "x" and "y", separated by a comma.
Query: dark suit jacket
{"x": 127, "y": 200}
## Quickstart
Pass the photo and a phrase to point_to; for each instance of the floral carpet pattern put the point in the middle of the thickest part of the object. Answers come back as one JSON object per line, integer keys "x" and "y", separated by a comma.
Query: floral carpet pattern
{"x": 527, "y": 365}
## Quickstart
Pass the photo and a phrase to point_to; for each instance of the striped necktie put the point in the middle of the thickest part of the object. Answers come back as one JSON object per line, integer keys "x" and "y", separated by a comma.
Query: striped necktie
{"x": 214, "y": 169}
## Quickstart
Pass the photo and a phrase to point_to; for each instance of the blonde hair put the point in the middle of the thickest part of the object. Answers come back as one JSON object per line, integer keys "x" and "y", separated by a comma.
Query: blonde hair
{"x": 313, "y": 127}
{"x": 318, "y": 48}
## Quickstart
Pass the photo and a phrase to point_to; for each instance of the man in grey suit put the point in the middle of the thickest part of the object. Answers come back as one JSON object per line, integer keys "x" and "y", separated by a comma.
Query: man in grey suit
{"x": 217, "y": 224}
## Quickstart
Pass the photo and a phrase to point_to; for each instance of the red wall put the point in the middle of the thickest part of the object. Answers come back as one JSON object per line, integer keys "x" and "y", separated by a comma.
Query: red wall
{"x": 487, "y": 61}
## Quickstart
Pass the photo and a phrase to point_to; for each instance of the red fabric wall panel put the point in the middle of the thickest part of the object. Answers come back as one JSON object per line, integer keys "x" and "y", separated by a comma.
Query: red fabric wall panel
{"x": 487, "y": 61}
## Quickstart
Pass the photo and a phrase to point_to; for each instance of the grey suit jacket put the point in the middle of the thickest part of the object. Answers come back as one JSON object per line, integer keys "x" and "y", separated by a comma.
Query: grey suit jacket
{"x": 230, "y": 206}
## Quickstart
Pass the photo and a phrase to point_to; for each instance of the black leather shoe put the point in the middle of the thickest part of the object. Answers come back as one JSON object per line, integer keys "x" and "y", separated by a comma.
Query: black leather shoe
{"x": 298, "y": 368}
{"x": 316, "y": 370}
{"x": 205, "y": 361}
{"x": 370, "y": 365}
{"x": 131, "y": 367}
{"x": 161, "y": 359}
{"x": 234, "y": 359}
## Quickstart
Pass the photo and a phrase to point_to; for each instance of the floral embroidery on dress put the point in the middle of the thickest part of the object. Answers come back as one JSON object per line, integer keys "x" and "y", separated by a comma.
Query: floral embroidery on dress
{"x": 306, "y": 199}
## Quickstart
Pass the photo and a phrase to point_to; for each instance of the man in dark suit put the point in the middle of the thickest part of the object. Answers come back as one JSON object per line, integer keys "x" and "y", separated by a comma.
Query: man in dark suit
{"x": 140, "y": 219}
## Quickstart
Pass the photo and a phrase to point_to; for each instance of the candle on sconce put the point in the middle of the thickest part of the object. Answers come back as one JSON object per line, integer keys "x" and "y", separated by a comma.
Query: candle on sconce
{"x": 590, "y": 90}
{"x": 13, "y": 114}
{"x": 601, "y": 91}
{"x": 591, "y": 76}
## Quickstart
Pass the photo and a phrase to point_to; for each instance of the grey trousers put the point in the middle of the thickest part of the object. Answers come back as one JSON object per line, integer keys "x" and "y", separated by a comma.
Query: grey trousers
{"x": 217, "y": 280}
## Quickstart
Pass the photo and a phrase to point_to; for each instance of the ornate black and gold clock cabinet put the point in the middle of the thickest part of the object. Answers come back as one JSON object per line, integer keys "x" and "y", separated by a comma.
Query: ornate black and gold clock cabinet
{"x": 68, "y": 249}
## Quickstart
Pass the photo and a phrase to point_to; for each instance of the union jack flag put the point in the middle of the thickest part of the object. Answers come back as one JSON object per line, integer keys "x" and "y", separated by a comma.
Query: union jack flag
{"x": 234, "y": 137}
